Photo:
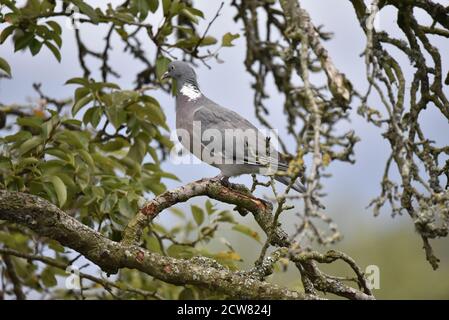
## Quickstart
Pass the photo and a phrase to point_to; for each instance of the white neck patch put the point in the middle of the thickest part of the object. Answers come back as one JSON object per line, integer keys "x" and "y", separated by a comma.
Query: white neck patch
{"x": 190, "y": 92}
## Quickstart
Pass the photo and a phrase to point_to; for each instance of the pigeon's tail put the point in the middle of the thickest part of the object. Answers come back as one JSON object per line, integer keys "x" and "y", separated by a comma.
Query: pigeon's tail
{"x": 299, "y": 187}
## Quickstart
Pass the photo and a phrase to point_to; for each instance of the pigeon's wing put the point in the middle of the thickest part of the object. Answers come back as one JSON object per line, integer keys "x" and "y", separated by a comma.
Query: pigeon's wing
{"x": 232, "y": 138}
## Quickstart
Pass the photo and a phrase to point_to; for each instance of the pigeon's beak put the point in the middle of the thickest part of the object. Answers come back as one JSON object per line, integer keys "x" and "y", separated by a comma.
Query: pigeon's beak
{"x": 166, "y": 75}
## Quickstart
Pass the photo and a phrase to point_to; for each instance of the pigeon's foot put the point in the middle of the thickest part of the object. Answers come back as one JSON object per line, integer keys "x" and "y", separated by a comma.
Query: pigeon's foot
{"x": 224, "y": 180}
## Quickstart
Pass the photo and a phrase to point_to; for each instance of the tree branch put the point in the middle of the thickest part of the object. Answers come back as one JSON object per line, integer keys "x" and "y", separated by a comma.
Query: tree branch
{"x": 63, "y": 266}
{"x": 11, "y": 271}
{"x": 49, "y": 221}
{"x": 262, "y": 212}
{"x": 205, "y": 187}
{"x": 298, "y": 21}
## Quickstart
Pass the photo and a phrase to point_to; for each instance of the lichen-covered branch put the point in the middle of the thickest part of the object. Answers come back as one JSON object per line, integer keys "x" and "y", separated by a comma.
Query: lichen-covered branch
{"x": 49, "y": 221}
{"x": 205, "y": 187}
{"x": 262, "y": 212}
{"x": 107, "y": 285}
{"x": 299, "y": 25}
{"x": 290, "y": 47}
{"x": 416, "y": 157}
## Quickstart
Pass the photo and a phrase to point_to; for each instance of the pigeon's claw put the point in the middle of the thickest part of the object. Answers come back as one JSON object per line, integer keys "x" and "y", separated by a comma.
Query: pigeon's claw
{"x": 224, "y": 180}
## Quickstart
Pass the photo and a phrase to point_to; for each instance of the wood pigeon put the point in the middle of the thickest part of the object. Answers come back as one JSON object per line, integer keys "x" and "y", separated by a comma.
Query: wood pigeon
{"x": 219, "y": 136}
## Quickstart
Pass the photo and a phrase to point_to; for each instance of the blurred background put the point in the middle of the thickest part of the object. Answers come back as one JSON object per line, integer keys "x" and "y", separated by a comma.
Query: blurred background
{"x": 387, "y": 242}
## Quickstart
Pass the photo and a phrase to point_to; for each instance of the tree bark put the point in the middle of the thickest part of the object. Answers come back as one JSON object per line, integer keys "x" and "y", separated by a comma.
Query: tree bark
{"x": 48, "y": 220}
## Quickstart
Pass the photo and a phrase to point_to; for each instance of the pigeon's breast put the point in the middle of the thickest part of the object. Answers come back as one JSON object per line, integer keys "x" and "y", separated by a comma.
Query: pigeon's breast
{"x": 185, "y": 108}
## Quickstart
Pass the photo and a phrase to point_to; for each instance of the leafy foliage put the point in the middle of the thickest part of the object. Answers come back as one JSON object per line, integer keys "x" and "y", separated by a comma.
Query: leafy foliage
{"x": 98, "y": 154}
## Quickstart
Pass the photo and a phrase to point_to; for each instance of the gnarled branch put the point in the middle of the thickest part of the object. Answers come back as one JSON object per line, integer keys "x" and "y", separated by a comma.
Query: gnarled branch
{"x": 47, "y": 220}
{"x": 262, "y": 212}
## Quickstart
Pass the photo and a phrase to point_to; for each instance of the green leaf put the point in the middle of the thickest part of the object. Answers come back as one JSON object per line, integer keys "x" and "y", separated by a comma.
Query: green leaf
{"x": 81, "y": 103}
{"x": 30, "y": 144}
{"x": 54, "y": 50}
{"x": 73, "y": 122}
{"x": 19, "y": 136}
{"x": 122, "y": 32}
{"x": 5, "y": 66}
{"x": 83, "y": 179}
{"x": 176, "y": 7}
{"x": 108, "y": 203}
{"x": 247, "y": 231}
{"x": 178, "y": 212}
{"x": 50, "y": 168}
{"x": 227, "y": 255}
{"x": 227, "y": 39}
{"x": 86, "y": 9}
{"x": 180, "y": 251}
{"x": 209, "y": 207}
{"x": 55, "y": 26}
{"x": 48, "y": 277}
{"x": 166, "y": 175}
{"x": 56, "y": 38}
{"x": 192, "y": 14}
{"x": 114, "y": 144}
{"x": 153, "y": 5}
{"x": 208, "y": 41}
{"x": 49, "y": 126}
{"x": 98, "y": 192}
{"x": 153, "y": 244}
{"x": 44, "y": 32}
{"x": 225, "y": 216}
{"x": 166, "y": 6}
{"x": 56, "y": 246}
{"x": 116, "y": 115}
{"x": 154, "y": 113}
{"x": 161, "y": 66}
{"x": 187, "y": 294}
{"x": 67, "y": 177}
{"x": 142, "y": 7}
{"x": 139, "y": 148}
{"x": 80, "y": 93}
{"x": 87, "y": 158}
{"x": 75, "y": 139}
{"x": 125, "y": 208}
{"x": 6, "y": 33}
{"x": 154, "y": 186}
{"x": 93, "y": 115}
{"x": 60, "y": 188}
{"x": 78, "y": 80}
{"x": 33, "y": 122}
{"x": 23, "y": 41}
{"x": 35, "y": 46}
{"x": 187, "y": 43}
{"x": 58, "y": 153}
{"x": 198, "y": 214}
{"x": 100, "y": 85}
{"x": 27, "y": 161}
{"x": 195, "y": 12}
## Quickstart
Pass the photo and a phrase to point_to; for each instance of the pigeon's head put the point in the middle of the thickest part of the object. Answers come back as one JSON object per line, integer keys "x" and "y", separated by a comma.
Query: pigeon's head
{"x": 180, "y": 71}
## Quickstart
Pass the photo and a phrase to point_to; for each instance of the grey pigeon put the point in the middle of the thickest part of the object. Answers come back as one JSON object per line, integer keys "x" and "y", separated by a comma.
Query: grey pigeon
{"x": 197, "y": 115}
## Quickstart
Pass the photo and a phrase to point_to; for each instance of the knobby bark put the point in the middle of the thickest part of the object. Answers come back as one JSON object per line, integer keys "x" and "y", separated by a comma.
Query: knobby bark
{"x": 299, "y": 25}
{"x": 47, "y": 220}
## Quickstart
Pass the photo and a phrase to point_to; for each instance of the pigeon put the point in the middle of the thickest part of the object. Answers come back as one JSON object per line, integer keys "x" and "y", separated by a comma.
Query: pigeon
{"x": 207, "y": 127}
